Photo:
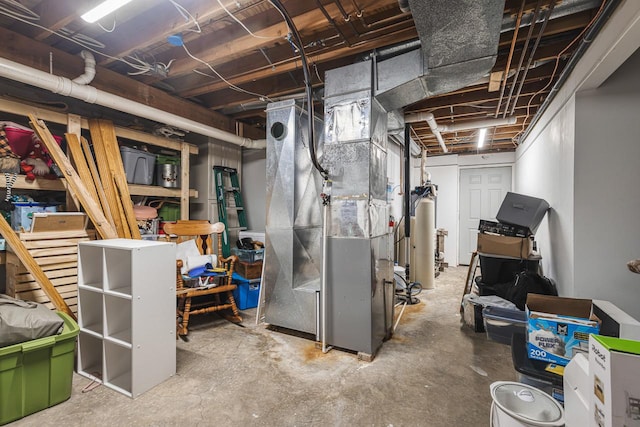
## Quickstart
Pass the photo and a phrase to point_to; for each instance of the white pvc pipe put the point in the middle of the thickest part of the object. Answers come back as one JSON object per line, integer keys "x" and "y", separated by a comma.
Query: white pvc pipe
{"x": 436, "y": 129}
{"x": 64, "y": 86}
{"x": 89, "y": 69}
{"x": 431, "y": 121}
{"x": 478, "y": 124}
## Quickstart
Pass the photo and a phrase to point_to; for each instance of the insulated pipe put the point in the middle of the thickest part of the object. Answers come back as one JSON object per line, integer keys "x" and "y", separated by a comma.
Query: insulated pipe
{"x": 431, "y": 121}
{"x": 437, "y": 129}
{"x": 64, "y": 86}
{"x": 478, "y": 124}
{"x": 89, "y": 69}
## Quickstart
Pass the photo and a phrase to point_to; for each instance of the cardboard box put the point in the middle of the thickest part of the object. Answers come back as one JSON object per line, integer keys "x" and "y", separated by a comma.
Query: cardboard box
{"x": 558, "y": 328}
{"x": 516, "y": 247}
{"x": 614, "y": 373}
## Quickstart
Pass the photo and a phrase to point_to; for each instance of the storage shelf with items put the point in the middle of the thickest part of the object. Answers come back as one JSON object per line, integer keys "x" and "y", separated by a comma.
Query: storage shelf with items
{"x": 118, "y": 345}
{"x": 75, "y": 124}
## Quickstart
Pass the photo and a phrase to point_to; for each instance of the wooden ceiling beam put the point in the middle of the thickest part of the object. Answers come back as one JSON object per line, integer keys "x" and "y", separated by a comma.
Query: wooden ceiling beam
{"x": 164, "y": 21}
{"x": 36, "y": 54}
{"x": 217, "y": 48}
{"x": 54, "y": 15}
{"x": 294, "y": 63}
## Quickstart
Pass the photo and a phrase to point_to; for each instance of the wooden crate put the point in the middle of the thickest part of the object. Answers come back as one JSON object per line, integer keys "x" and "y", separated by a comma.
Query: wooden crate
{"x": 249, "y": 270}
{"x": 56, "y": 252}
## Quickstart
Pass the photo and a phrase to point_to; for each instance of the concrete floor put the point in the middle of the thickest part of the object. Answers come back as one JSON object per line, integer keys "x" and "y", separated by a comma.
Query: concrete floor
{"x": 433, "y": 372}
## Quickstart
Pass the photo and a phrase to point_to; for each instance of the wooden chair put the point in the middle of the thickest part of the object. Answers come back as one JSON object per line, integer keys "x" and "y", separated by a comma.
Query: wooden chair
{"x": 192, "y": 301}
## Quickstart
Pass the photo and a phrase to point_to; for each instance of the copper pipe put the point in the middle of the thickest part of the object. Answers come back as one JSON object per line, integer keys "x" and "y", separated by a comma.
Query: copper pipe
{"x": 357, "y": 10}
{"x": 346, "y": 17}
{"x": 522, "y": 55}
{"x": 533, "y": 51}
{"x": 332, "y": 22}
{"x": 511, "y": 50}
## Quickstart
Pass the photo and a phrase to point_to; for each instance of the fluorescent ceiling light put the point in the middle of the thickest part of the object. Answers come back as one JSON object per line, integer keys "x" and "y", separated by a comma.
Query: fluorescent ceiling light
{"x": 103, "y": 9}
{"x": 481, "y": 135}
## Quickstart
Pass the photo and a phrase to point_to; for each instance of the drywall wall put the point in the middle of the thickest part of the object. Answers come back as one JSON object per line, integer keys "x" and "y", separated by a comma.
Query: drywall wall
{"x": 545, "y": 169}
{"x": 607, "y": 189}
{"x": 446, "y": 178}
{"x": 254, "y": 170}
{"x": 445, "y": 172}
{"x": 550, "y": 151}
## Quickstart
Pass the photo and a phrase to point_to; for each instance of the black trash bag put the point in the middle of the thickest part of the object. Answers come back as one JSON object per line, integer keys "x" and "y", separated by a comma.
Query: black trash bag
{"x": 529, "y": 282}
{"x": 500, "y": 289}
{"x": 22, "y": 321}
{"x": 245, "y": 243}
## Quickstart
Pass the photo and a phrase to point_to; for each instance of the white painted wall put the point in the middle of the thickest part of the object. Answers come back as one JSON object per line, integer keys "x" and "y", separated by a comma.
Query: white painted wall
{"x": 607, "y": 189}
{"x": 591, "y": 186}
{"x": 446, "y": 178}
{"x": 544, "y": 168}
{"x": 445, "y": 173}
{"x": 254, "y": 170}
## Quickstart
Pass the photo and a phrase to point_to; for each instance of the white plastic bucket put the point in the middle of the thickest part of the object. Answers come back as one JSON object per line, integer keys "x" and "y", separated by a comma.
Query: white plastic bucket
{"x": 516, "y": 405}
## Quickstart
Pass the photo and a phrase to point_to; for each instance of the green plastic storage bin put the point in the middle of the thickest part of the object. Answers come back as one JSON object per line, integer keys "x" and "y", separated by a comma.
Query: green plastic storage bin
{"x": 37, "y": 374}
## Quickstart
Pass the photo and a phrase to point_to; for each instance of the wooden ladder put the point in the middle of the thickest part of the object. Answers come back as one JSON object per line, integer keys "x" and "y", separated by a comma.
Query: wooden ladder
{"x": 471, "y": 274}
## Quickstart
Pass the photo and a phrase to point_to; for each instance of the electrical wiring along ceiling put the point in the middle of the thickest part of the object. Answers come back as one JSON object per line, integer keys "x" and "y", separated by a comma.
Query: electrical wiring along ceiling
{"x": 230, "y": 58}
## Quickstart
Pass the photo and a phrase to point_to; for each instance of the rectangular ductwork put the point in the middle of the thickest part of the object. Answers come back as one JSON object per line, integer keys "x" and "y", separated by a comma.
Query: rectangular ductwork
{"x": 459, "y": 45}
{"x": 293, "y": 222}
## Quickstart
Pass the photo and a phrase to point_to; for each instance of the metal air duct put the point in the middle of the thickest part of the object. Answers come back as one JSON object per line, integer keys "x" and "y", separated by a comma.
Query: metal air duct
{"x": 293, "y": 222}
{"x": 459, "y": 42}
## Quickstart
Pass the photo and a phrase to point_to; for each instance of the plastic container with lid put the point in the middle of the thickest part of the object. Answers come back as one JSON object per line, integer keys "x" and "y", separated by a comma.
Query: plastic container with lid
{"x": 534, "y": 372}
{"x": 139, "y": 165}
{"x": 37, "y": 374}
{"x": 501, "y": 323}
{"x": 516, "y": 405}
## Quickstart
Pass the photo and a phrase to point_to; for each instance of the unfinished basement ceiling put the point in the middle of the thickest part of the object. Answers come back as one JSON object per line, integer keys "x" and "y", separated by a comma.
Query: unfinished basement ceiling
{"x": 235, "y": 56}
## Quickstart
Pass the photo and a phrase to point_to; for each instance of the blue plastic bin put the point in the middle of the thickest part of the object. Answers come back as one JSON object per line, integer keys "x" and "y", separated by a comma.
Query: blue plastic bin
{"x": 247, "y": 292}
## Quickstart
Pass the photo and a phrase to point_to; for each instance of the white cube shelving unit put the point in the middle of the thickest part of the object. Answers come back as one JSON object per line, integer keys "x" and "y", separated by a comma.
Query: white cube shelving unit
{"x": 127, "y": 313}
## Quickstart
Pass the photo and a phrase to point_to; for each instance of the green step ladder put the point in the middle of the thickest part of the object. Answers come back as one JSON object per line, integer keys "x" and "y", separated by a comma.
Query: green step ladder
{"x": 229, "y": 200}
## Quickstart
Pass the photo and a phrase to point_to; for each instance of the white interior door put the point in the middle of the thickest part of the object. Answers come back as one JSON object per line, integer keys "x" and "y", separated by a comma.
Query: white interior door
{"x": 481, "y": 193}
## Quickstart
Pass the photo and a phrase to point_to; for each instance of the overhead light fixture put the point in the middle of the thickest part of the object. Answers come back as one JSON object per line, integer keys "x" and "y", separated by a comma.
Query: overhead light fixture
{"x": 482, "y": 133}
{"x": 103, "y": 9}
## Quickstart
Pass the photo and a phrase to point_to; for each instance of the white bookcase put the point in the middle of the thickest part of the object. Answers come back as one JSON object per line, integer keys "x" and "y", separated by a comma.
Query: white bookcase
{"x": 127, "y": 313}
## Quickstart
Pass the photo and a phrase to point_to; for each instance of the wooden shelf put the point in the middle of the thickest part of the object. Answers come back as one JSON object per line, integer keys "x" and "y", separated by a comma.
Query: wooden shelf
{"x": 75, "y": 123}
{"x": 61, "y": 185}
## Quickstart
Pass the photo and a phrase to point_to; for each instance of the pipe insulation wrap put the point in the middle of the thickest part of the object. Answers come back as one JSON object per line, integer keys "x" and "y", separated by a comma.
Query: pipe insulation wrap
{"x": 64, "y": 86}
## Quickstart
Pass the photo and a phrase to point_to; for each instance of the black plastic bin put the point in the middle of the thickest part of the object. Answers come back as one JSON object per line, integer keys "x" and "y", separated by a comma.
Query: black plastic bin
{"x": 533, "y": 372}
{"x": 500, "y": 270}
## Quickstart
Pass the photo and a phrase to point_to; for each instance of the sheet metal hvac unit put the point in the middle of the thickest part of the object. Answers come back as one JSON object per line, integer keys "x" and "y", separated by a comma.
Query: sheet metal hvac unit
{"x": 293, "y": 222}
{"x": 359, "y": 284}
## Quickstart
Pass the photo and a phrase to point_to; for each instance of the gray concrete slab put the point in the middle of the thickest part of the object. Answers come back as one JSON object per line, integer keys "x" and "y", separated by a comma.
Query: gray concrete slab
{"x": 433, "y": 372}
